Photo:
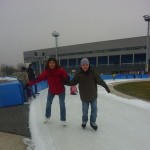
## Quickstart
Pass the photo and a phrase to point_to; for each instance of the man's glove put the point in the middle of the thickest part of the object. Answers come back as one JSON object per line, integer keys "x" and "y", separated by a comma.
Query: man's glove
{"x": 108, "y": 90}
{"x": 66, "y": 82}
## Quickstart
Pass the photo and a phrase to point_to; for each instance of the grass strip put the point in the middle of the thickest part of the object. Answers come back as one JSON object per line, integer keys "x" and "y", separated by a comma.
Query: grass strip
{"x": 136, "y": 89}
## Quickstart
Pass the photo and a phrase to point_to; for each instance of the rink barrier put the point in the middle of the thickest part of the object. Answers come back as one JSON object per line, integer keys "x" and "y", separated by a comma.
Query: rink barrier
{"x": 11, "y": 93}
{"x": 120, "y": 76}
{"x": 41, "y": 86}
{"x": 124, "y": 76}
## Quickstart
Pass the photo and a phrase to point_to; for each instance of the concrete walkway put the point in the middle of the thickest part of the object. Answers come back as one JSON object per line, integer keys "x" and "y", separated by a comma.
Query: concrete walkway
{"x": 11, "y": 142}
{"x": 13, "y": 127}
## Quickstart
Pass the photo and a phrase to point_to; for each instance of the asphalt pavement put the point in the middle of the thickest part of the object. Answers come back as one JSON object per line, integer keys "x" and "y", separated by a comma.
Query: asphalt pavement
{"x": 14, "y": 125}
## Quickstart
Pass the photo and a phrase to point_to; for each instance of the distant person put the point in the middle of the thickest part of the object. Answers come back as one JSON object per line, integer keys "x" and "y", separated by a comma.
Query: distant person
{"x": 56, "y": 78}
{"x": 134, "y": 75}
{"x": 88, "y": 78}
{"x": 32, "y": 76}
{"x": 73, "y": 90}
{"x": 114, "y": 76}
{"x": 23, "y": 78}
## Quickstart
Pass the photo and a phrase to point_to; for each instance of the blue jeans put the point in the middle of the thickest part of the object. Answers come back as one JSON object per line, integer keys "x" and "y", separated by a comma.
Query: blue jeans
{"x": 31, "y": 92}
{"x": 85, "y": 107}
{"x": 50, "y": 98}
{"x": 25, "y": 94}
{"x": 34, "y": 88}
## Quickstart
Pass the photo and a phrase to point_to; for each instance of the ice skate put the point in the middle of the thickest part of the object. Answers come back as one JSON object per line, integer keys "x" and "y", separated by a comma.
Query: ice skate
{"x": 37, "y": 93}
{"x": 83, "y": 125}
{"x": 46, "y": 120}
{"x": 64, "y": 123}
{"x": 94, "y": 126}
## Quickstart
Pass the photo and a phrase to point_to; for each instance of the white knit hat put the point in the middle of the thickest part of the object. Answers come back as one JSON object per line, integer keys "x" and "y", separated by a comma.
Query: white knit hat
{"x": 84, "y": 61}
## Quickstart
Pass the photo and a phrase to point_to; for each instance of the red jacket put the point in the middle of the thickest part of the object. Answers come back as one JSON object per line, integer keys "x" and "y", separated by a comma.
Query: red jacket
{"x": 55, "y": 78}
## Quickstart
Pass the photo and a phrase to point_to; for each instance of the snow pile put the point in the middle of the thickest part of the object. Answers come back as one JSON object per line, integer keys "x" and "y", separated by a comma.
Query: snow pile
{"x": 28, "y": 142}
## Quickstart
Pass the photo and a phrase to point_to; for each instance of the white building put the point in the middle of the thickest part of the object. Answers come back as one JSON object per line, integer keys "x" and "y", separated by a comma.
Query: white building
{"x": 121, "y": 55}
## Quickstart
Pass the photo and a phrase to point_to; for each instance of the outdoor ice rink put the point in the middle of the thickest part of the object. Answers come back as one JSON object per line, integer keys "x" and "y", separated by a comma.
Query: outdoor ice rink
{"x": 123, "y": 124}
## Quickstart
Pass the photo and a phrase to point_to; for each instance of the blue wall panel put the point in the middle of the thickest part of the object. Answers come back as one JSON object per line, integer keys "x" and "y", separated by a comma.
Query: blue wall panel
{"x": 11, "y": 93}
{"x": 42, "y": 85}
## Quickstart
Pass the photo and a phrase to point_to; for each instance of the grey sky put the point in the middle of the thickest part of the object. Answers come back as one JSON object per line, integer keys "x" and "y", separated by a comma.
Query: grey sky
{"x": 27, "y": 24}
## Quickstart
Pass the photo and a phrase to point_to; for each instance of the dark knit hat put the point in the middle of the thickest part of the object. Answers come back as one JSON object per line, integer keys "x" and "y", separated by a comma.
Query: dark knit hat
{"x": 84, "y": 61}
{"x": 23, "y": 68}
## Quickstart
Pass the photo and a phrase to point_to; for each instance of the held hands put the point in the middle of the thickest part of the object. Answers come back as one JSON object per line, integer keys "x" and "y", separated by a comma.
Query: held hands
{"x": 66, "y": 82}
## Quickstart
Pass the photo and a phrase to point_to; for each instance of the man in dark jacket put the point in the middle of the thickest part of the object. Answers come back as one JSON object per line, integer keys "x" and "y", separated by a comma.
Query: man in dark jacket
{"x": 31, "y": 76}
{"x": 88, "y": 78}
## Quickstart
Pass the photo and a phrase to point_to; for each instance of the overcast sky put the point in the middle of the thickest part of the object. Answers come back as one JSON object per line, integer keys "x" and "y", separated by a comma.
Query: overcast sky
{"x": 27, "y": 24}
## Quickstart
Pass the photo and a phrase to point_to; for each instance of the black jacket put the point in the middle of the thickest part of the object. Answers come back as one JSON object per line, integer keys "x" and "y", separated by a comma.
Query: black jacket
{"x": 31, "y": 74}
{"x": 88, "y": 84}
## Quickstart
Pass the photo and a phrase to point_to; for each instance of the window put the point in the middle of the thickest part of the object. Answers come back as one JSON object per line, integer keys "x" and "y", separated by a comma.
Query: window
{"x": 72, "y": 62}
{"x": 102, "y": 60}
{"x": 63, "y": 62}
{"x": 114, "y": 59}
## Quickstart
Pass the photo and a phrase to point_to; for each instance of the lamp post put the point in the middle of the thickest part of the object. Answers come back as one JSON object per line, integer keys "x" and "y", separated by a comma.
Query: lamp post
{"x": 1, "y": 71}
{"x": 56, "y": 34}
{"x": 147, "y": 18}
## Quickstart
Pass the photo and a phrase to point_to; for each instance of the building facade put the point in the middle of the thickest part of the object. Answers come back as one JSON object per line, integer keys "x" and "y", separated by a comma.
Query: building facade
{"x": 121, "y": 55}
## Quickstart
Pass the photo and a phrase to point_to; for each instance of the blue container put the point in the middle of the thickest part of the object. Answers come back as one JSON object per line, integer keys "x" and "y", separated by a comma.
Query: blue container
{"x": 11, "y": 93}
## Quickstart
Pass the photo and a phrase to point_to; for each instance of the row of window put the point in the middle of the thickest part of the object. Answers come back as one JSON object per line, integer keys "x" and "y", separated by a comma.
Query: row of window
{"x": 104, "y": 60}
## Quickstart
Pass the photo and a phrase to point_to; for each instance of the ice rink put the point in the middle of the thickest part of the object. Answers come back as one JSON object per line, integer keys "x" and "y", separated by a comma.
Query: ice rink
{"x": 123, "y": 124}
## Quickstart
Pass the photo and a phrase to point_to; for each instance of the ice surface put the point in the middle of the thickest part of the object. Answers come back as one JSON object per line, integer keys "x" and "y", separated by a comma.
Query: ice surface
{"x": 123, "y": 124}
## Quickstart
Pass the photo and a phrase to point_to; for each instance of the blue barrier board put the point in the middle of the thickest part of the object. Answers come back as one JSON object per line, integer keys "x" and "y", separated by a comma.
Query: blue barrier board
{"x": 11, "y": 93}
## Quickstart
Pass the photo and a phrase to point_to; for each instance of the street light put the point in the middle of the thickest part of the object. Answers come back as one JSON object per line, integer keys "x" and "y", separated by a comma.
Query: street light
{"x": 147, "y": 18}
{"x": 56, "y": 34}
{"x": 1, "y": 71}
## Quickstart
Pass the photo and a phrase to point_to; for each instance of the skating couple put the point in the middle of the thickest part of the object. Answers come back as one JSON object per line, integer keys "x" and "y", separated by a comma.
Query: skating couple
{"x": 87, "y": 78}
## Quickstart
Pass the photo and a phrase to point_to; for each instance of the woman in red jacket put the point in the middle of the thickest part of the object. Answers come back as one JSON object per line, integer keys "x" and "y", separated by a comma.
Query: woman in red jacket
{"x": 56, "y": 77}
